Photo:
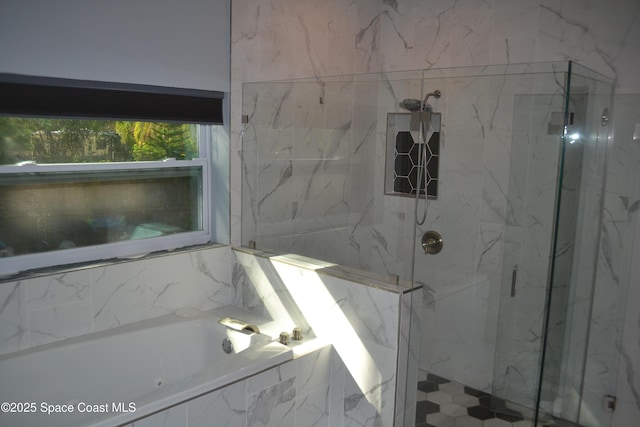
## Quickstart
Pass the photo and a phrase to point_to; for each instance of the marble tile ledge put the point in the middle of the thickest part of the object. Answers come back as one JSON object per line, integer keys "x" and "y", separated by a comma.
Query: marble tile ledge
{"x": 389, "y": 284}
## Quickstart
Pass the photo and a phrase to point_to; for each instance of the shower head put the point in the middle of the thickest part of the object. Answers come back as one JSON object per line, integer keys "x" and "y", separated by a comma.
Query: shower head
{"x": 413, "y": 105}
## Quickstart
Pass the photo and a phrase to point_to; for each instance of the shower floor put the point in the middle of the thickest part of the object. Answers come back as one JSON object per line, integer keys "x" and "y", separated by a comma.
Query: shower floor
{"x": 445, "y": 403}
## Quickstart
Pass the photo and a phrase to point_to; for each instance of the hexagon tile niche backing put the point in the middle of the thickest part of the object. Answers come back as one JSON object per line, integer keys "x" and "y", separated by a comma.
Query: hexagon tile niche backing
{"x": 403, "y": 159}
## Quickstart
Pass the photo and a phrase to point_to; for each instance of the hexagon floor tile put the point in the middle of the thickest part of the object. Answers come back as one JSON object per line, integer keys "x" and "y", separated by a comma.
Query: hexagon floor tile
{"x": 445, "y": 403}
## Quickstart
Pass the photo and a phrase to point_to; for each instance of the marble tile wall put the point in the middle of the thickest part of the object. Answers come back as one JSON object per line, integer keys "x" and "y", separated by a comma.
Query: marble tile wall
{"x": 613, "y": 355}
{"x": 363, "y": 323}
{"x": 372, "y": 36}
{"x": 48, "y": 308}
{"x": 294, "y": 394}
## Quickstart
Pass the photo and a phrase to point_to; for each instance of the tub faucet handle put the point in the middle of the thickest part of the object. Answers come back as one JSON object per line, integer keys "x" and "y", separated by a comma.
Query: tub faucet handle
{"x": 284, "y": 338}
{"x": 297, "y": 334}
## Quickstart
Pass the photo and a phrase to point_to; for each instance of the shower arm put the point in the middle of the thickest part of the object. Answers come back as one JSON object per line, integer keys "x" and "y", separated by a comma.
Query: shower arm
{"x": 436, "y": 94}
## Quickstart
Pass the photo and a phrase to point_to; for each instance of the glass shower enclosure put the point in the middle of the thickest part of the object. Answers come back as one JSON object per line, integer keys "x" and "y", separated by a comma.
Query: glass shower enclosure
{"x": 334, "y": 169}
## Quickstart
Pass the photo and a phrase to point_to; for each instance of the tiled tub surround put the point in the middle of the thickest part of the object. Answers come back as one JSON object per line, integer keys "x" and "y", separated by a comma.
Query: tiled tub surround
{"x": 51, "y": 307}
{"x": 365, "y": 319}
{"x": 327, "y": 385}
{"x": 153, "y": 364}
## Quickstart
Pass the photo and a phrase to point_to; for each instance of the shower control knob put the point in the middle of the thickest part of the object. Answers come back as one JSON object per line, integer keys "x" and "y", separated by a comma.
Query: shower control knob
{"x": 432, "y": 242}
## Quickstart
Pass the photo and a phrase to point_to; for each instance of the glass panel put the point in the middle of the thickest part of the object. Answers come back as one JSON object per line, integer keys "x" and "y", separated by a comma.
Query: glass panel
{"x": 43, "y": 211}
{"x": 316, "y": 164}
{"x": 535, "y": 156}
{"x": 314, "y": 170}
{"x": 46, "y": 141}
{"x": 572, "y": 385}
{"x": 498, "y": 169}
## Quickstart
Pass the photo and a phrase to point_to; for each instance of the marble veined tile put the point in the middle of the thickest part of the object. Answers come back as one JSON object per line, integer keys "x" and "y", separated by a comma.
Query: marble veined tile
{"x": 367, "y": 37}
{"x": 313, "y": 371}
{"x": 271, "y": 377}
{"x": 119, "y": 294}
{"x": 311, "y": 48}
{"x": 416, "y": 34}
{"x": 46, "y": 291}
{"x": 13, "y": 317}
{"x": 225, "y": 407}
{"x": 273, "y": 406}
{"x": 172, "y": 417}
{"x": 336, "y": 398}
{"x": 59, "y": 322}
{"x": 471, "y": 26}
{"x": 373, "y": 314}
{"x": 168, "y": 288}
{"x": 211, "y": 277}
{"x": 514, "y": 31}
{"x": 312, "y": 410}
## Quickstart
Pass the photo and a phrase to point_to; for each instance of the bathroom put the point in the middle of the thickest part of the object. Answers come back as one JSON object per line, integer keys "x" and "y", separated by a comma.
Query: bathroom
{"x": 286, "y": 39}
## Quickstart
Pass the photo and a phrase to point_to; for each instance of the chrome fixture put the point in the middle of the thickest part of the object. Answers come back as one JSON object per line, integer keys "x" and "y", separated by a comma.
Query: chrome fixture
{"x": 609, "y": 403}
{"x": 428, "y": 125}
{"x": 413, "y": 105}
{"x": 227, "y": 345}
{"x": 514, "y": 280}
{"x": 297, "y": 334}
{"x": 604, "y": 119}
{"x": 432, "y": 242}
{"x": 238, "y": 325}
{"x": 284, "y": 338}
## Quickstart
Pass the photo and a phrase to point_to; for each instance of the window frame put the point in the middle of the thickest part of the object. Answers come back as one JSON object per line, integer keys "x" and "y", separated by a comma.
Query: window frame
{"x": 128, "y": 248}
{"x": 18, "y": 264}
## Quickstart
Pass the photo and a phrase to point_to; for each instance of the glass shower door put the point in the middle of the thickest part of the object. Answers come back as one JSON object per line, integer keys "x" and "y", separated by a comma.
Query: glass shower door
{"x": 499, "y": 160}
{"x": 550, "y": 252}
{"x": 538, "y": 124}
{"x": 573, "y": 381}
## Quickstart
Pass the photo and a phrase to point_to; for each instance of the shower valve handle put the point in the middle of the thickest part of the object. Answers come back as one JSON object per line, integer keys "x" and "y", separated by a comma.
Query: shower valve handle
{"x": 432, "y": 242}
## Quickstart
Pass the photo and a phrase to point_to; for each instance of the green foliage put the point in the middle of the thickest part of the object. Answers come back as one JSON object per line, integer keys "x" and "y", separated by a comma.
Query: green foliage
{"x": 76, "y": 141}
{"x": 15, "y": 140}
{"x": 157, "y": 141}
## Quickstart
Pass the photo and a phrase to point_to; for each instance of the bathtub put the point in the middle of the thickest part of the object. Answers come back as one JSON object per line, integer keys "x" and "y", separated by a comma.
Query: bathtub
{"x": 113, "y": 377}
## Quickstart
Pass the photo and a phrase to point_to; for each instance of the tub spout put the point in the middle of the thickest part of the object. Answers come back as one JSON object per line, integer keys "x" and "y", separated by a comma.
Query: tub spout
{"x": 238, "y": 325}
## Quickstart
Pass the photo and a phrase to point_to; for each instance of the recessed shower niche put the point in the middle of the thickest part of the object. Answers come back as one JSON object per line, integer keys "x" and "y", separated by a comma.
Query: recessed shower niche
{"x": 412, "y": 156}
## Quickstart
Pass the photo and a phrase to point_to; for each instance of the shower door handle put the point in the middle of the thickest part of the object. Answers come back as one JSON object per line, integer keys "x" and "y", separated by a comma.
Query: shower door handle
{"x": 514, "y": 279}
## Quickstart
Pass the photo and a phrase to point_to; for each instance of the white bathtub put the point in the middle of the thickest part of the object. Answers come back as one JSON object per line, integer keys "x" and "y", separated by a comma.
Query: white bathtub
{"x": 113, "y": 377}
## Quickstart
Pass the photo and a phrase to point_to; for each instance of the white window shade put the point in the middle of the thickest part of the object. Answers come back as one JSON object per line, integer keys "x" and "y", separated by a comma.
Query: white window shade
{"x": 182, "y": 44}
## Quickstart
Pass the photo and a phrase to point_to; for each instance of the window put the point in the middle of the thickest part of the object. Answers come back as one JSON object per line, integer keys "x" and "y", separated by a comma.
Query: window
{"x": 107, "y": 181}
